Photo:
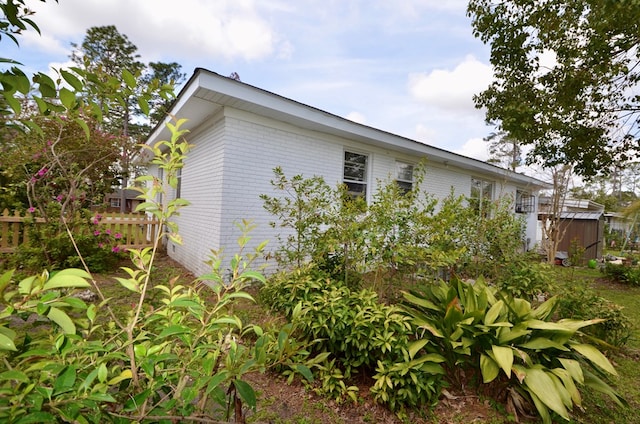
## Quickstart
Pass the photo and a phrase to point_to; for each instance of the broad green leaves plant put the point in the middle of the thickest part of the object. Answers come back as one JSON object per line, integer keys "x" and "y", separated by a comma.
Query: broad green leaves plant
{"x": 507, "y": 341}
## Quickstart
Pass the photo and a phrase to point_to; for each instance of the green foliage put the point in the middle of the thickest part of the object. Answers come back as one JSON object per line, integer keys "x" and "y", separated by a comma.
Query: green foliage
{"x": 624, "y": 274}
{"x": 570, "y": 107}
{"x": 400, "y": 233}
{"x": 579, "y": 301}
{"x": 183, "y": 357}
{"x": 302, "y": 210}
{"x": 51, "y": 246}
{"x": 576, "y": 253}
{"x": 503, "y": 341}
{"x": 360, "y": 334}
{"x": 526, "y": 277}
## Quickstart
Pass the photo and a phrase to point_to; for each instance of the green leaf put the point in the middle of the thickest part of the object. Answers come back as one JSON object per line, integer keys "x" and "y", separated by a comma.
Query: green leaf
{"x": 45, "y": 84}
{"x": 253, "y": 275}
{"x": 503, "y": 355}
{"x": 74, "y": 302}
{"x": 65, "y": 380}
{"x": 305, "y": 371}
{"x": 91, "y": 312}
{"x": 37, "y": 417}
{"x": 14, "y": 103}
{"x": 541, "y": 343}
{"x": 574, "y": 368}
{"x": 246, "y": 393}
{"x": 494, "y": 312}
{"x": 415, "y": 347}
{"x": 7, "y": 343}
{"x": 489, "y": 368}
{"x": 71, "y": 79}
{"x": 62, "y": 319}
{"x": 544, "y": 388}
{"x": 129, "y": 79}
{"x": 144, "y": 105}
{"x": 83, "y": 124}
{"x": 129, "y": 284}
{"x": 124, "y": 375}
{"x": 68, "y": 278}
{"x": 419, "y": 301}
{"x": 173, "y": 330}
{"x": 102, "y": 397}
{"x": 102, "y": 373}
{"x": 569, "y": 384}
{"x": 596, "y": 383}
{"x": 14, "y": 375}
{"x": 25, "y": 286}
{"x": 67, "y": 98}
{"x": 595, "y": 356}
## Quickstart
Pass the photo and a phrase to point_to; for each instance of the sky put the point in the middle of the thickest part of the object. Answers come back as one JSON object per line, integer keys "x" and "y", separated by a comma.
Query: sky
{"x": 409, "y": 67}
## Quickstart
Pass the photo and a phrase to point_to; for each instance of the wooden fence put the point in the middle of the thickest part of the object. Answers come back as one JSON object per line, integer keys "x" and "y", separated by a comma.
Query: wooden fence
{"x": 134, "y": 231}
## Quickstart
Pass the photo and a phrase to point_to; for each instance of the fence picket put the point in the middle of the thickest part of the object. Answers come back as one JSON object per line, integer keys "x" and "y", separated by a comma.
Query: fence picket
{"x": 136, "y": 231}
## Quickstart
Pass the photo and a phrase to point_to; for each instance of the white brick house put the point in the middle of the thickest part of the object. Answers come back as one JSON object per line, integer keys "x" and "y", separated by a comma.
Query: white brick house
{"x": 240, "y": 133}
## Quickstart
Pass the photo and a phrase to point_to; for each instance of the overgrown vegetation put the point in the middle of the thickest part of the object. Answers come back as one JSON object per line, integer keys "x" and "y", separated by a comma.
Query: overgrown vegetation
{"x": 182, "y": 357}
{"x": 508, "y": 339}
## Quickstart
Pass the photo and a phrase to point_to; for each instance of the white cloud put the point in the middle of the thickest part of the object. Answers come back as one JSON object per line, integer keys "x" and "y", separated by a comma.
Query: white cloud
{"x": 475, "y": 148}
{"x": 223, "y": 29}
{"x": 425, "y": 134}
{"x": 356, "y": 117}
{"x": 451, "y": 90}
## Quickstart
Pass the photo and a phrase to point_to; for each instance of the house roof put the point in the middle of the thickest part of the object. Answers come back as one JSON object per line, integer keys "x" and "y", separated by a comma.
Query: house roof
{"x": 207, "y": 92}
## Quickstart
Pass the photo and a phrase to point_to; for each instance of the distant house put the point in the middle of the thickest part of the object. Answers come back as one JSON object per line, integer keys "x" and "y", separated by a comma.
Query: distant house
{"x": 113, "y": 201}
{"x": 240, "y": 133}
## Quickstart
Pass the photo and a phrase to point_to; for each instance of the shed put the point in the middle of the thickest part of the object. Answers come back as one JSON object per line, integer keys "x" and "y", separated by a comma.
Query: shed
{"x": 587, "y": 228}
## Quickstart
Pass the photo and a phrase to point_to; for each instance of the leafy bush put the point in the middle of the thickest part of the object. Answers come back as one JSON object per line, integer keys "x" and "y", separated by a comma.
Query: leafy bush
{"x": 504, "y": 342}
{"x": 360, "y": 334}
{"x": 623, "y": 274}
{"x": 50, "y": 245}
{"x": 181, "y": 359}
{"x": 525, "y": 277}
{"x": 578, "y": 301}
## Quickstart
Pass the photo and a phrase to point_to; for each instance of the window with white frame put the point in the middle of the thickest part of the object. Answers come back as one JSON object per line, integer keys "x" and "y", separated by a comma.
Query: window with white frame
{"x": 355, "y": 173}
{"x": 481, "y": 195}
{"x": 114, "y": 202}
{"x": 404, "y": 176}
{"x": 161, "y": 182}
{"x": 179, "y": 183}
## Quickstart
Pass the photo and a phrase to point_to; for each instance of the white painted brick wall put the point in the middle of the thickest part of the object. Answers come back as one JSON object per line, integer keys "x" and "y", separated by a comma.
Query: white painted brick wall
{"x": 232, "y": 162}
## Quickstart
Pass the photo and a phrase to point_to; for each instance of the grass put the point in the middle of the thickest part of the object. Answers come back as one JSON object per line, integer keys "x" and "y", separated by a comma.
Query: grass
{"x": 599, "y": 409}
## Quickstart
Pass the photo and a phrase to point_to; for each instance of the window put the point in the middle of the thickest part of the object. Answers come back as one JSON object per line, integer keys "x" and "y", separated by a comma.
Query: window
{"x": 404, "y": 176}
{"x": 179, "y": 183}
{"x": 355, "y": 173}
{"x": 161, "y": 182}
{"x": 114, "y": 202}
{"x": 525, "y": 202}
{"x": 481, "y": 194}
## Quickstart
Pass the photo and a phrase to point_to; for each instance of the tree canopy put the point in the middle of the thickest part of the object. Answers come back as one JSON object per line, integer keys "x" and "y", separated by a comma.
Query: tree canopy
{"x": 565, "y": 78}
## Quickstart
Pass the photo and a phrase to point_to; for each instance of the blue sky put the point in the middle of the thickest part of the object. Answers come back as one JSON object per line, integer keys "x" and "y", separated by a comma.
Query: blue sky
{"x": 408, "y": 66}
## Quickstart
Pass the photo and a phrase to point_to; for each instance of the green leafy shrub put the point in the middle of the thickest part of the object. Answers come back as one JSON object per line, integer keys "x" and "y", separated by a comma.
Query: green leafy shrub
{"x": 525, "y": 277}
{"x": 360, "y": 334}
{"x": 578, "y": 301}
{"x": 50, "y": 245}
{"x": 495, "y": 342}
{"x": 624, "y": 274}
{"x": 285, "y": 290}
{"x": 183, "y": 358}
